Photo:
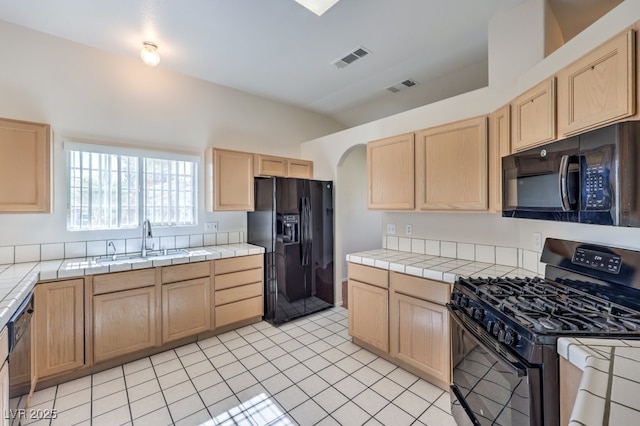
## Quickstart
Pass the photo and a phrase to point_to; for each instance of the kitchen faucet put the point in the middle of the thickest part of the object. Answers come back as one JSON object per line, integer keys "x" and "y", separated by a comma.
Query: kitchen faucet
{"x": 146, "y": 232}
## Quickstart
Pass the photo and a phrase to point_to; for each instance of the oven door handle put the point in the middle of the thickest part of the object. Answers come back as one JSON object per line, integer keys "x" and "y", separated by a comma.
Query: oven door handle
{"x": 514, "y": 366}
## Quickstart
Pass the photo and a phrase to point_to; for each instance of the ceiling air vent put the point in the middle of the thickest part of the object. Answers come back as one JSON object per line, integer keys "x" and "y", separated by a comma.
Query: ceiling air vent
{"x": 357, "y": 53}
{"x": 405, "y": 84}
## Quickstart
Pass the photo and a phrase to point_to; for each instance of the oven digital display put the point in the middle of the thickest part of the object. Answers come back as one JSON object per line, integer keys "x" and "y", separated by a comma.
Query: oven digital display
{"x": 597, "y": 260}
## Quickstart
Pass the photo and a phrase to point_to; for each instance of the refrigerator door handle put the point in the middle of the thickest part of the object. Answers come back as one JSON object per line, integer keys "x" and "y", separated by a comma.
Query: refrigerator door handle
{"x": 305, "y": 218}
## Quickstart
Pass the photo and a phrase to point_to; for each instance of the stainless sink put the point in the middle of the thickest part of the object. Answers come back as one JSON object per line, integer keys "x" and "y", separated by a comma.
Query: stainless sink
{"x": 136, "y": 258}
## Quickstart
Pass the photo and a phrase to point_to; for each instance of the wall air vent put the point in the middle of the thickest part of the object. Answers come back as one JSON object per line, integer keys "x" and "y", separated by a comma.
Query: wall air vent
{"x": 357, "y": 53}
{"x": 405, "y": 84}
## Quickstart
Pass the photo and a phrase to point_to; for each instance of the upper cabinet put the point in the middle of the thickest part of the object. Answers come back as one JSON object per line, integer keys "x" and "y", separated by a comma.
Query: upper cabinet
{"x": 599, "y": 87}
{"x": 499, "y": 146}
{"x": 268, "y": 165}
{"x": 390, "y": 169}
{"x": 534, "y": 116}
{"x": 451, "y": 166}
{"x": 24, "y": 167}
{"x": 229, "y": 180}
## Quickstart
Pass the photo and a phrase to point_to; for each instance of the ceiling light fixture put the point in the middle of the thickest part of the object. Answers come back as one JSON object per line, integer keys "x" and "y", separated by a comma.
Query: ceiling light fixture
{"x": 317, "y": 6}
{"x": 149, "y": 54}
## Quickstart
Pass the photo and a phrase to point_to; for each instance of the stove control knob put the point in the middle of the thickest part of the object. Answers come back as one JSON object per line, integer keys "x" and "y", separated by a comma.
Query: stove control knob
{"x": 510, "y": 338}
{"x": 478, "y": 313}
{"x": 464, "y": 301}
{"x": 490, "y": 325}
{"x": 496, "y": 328}
{"x": 501, "y": 335}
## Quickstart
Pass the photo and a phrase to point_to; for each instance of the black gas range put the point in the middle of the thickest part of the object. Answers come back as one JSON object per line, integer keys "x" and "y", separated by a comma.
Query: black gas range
{"x": 504, "y": 333}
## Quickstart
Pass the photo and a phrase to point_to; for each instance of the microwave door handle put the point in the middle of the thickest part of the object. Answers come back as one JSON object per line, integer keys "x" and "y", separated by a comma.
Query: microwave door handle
{"x": 564, "y": 190}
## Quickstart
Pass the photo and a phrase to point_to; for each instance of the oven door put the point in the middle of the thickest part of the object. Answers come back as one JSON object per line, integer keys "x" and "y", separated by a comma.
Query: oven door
{"x": 490, "y": 385}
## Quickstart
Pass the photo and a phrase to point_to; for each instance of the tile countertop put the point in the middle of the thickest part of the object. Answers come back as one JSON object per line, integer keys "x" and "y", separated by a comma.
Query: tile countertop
{"x": 433, "y": 267}
{"x": 610, "y": 385}
{"x": 17, "y": 280}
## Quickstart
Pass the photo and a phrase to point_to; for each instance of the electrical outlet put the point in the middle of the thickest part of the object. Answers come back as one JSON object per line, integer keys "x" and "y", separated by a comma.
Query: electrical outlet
{"x": 211, "y": 227}
{"x": 409, "y": 229}
{"x": 391, "y": 229}
{"x": 537, "y": 241}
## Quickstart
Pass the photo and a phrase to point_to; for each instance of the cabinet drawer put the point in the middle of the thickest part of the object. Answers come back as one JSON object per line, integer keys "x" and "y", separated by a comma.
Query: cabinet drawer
{"x": 235, "y": 279}
{"x": 108, "y": 283}
{"x": 238, "y": 293}
{"x": 368, "y": 274}
{"x": 421, "y": 288}
{"x": 240, "y": 263}
{"x": 238, "y": 311}
{"x": 184, "y": 272}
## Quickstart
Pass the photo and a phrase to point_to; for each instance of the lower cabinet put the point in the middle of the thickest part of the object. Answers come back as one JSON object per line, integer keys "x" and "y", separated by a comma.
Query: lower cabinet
{"x": 59, "y": 327}
{"x": 239, "y": 287}
{"x": 123, "y": 322}
{"x": 186, "y": 308}
{"x": 419, "y": 325}
{"x": 4, "y": 377}
{"x": 570, "y": 378}
{"x": 369, "y": 305}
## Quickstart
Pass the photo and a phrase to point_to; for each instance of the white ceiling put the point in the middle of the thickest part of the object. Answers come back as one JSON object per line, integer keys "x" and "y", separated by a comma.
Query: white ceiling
{"x": 280, "y": 50}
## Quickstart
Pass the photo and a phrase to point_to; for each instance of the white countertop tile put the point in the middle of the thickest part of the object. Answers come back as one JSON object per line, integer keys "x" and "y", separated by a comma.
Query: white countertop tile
{"x": 610, "y": 385}
{"x": 17, "y": 280}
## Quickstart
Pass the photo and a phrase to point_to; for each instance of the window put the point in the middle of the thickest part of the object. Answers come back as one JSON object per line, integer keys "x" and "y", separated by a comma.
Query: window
{"x": 108, "y": 190}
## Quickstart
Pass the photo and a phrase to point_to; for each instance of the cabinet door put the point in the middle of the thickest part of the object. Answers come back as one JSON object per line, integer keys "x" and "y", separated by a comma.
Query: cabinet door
{"x": 534, "y": 116}
{"x": 299, "y": 168}
{"x": 24, "y": 167}
{"x": 598, "y": 88}
{"x": 499, "y": 146}
{"x": 369, "y": 314}
{"x": 59, "y": 327}
{"x": 4, "y": 394}
{"x": 420, "y": 335}
{"x": 123, "y": 322}
{"x": 267, "y": 165}
{"x": 229, "y": 180}
{"x": 186, "y": 308}
{"x": 390, "y": 169}
{"x": 451, "y": 166}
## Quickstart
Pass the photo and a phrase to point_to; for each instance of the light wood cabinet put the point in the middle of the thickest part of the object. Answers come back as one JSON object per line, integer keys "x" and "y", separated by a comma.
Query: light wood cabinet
{"x": 599, "y": 87}
{"x": 499, "y": 146}
{"x": 186, "y": 300}
{"x": 124, "y": 322}
{"x": 570, "y": 378}
{"x": 59, "y": 327}
{"x": 419, "y": 325}
{"x": 4, "y": 378}
{"x": 24, "y": 167}
{"x": 228, "y": 180}
{"x": 239, "y": 288}
{"x": 390, "y": 170}
{"x": 534, "y": 116}
{"x": 268, "y": 165}
{"x": 368, "y": 296}
{"x": 451, "y": 166}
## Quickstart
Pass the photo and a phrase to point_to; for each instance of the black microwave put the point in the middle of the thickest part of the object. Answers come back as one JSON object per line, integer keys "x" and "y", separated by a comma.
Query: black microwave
{"x": 589, "y": 178}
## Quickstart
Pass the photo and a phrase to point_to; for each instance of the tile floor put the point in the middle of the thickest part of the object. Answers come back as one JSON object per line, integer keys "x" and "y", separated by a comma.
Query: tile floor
{"x": 304, "y": 372}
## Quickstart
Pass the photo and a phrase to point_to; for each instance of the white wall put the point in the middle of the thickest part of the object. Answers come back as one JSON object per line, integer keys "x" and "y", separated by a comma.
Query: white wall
{"x": 483, "y": 228}
{"x": 88, "y": 94}
{"x": 362, "y": 226}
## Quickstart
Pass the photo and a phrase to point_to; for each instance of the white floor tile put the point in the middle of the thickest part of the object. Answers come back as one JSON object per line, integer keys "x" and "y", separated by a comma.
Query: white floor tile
{"x": 330, "y": 399}
{"x": 185, "y": 407}
{"x": 370, "y": 401}
{"x": 392, "y": 414}
{"x": 159, "y": 417}
{"x": 350, "y": 414}
{"x": 291, "y": 397}
{"x": 147, "y": 404}
{"x": 411, "y": 403}
{"x": 308, "y": 413}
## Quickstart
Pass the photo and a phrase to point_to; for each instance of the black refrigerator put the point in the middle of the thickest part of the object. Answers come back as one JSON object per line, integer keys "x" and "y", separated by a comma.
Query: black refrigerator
{"x": 293, "y": 221}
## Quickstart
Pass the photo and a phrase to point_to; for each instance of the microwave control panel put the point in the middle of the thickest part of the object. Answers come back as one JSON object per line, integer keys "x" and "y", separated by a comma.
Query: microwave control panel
{"x": 596, "y": 188}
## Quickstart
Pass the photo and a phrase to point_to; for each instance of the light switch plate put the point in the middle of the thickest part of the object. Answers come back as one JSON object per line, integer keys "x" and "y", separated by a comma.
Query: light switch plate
{"x": 409, "y": 229}
{"x": 391, "y": 229}
{"x": 537, "y": 240}
{"x": 210, "y": 227}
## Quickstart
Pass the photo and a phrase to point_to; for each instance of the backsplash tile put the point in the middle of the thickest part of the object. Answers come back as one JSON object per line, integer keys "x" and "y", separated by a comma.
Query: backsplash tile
{"x": 392, "y": 243}
{"x": 7, "y": 255}
{"x": 404, "y": 244}
{"x": 195, "y": 240}
{"x": 234, "y": 237}
{"x": 169, "y": 242}
{"x": 209, "y": 239}
{"x": 96, "y": 248}
{"x": 182, "y": 241}
{"x": 530, "y": 260}
{"x": 52, "y": 251}
{"x": 222, "y": 238}
{"x": 30, "y": 253}
{"x": 432, "y": 247}
{"x": 75, "y": 249}
{"x": 417, "y": 246}
{"x": 448, "y": 249}
{"x": 466, "y": 251}
{"x": 507, "y": 256}
{"x": 485, "y": 254}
